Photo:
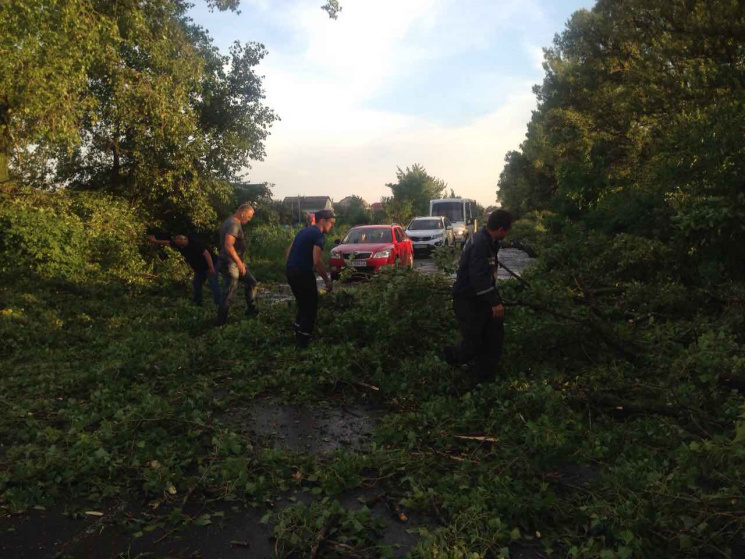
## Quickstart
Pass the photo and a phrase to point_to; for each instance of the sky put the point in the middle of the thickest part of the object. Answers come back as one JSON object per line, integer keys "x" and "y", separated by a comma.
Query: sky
{"x": 446, "y": 84}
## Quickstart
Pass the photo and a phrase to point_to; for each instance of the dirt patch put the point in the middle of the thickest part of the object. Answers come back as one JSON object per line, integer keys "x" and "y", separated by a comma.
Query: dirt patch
{"x": 304, "y": 430}
{"x": 233, "y": 534}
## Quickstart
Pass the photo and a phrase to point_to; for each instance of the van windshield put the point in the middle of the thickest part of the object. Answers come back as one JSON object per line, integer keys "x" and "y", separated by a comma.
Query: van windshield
{"x": 451, "y": 210}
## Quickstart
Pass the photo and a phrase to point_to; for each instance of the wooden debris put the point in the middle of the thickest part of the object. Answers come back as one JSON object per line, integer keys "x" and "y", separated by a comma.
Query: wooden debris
{"x": 323, "y": 533}
{"x": 480, "y": 438}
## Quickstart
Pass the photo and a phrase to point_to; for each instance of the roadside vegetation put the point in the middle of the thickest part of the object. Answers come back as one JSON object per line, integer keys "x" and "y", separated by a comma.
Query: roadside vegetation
{"x": 617, "y": 426}
{"x": 615, "y": 430}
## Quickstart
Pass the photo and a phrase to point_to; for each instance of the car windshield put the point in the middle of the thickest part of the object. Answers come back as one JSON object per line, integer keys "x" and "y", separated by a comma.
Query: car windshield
{"x": 364, "y": 236}
{"x": 424, "y": 224}
{"x": 451, "y": 210}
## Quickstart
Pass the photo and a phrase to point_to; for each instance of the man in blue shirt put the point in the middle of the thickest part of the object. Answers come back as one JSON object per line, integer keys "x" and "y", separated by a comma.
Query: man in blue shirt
{"x": 304, "y": 258}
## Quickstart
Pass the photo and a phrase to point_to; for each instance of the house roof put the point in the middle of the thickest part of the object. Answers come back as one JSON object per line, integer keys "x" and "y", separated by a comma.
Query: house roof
{"x": 308, "y": 202}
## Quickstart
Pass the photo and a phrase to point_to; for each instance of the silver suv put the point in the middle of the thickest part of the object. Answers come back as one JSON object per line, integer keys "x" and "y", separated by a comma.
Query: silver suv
{"x": 428, "y": 233}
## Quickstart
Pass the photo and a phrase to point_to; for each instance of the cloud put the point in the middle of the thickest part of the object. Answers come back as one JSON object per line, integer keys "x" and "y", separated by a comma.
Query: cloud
{"x": 331, "y": 141}
{"x": 536, "y": 56}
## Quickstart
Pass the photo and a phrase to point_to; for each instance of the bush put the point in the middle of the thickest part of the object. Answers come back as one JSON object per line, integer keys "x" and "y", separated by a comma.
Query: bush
{"x": 70, "y": 235}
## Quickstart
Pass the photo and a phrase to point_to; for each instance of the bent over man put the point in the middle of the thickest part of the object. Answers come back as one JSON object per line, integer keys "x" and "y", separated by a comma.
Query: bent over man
{"x": 201, "y": 261}
{"x": 303, "y": 257}
{"x": 476, "y": 301}
{"x": 232, "y": 267}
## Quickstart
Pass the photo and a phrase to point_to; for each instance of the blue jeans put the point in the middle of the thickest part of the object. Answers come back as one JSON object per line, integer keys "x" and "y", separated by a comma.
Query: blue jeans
{"x": 199, "y": 278}
{"x": 231, "y": 279}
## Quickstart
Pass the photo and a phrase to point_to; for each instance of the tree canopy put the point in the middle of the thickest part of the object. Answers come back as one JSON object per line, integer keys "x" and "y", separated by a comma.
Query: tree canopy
{"x": 416, "y": 186}
{"x": 129, "y": 98}
{"x": 640, "y": 122}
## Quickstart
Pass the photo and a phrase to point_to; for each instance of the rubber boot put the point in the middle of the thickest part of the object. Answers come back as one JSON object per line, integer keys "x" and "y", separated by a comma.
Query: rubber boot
{"x": 222, "y": 317}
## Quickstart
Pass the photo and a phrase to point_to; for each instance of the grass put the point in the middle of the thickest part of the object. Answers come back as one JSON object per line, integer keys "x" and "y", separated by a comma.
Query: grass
{"x": 124, "y": 394}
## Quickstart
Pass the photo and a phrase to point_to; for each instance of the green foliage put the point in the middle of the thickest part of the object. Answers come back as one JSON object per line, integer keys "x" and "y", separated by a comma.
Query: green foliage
{"x": 354, "y": 211}
{"x": 614, "y": 406}
{"x": 266, "y": 246}
{"x": 298, "y": 525}
{"x": 638, "y": 126}
{"x": 136, "y": 101}
{"x": 416, "y": 187}
{"x": 72, "y": 236}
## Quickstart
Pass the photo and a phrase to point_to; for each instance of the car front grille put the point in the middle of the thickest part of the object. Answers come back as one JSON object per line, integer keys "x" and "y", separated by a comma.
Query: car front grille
{"x": 356, "y": 255}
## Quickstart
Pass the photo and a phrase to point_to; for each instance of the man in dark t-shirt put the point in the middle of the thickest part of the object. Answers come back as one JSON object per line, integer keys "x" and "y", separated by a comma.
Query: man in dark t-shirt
{"x": 304, "y": 258}
{"x": 232, "y": 268}
{"x": 201, "y": 260}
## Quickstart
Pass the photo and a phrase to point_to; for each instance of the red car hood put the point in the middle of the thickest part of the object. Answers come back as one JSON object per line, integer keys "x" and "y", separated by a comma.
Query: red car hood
{"x": 363, "y": 247}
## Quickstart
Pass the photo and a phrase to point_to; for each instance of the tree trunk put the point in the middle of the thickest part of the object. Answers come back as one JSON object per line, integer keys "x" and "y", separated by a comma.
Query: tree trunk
{"x": 4, "y": 145}
{"x": 4, "y": 174}
{"x": 115, "y": 176}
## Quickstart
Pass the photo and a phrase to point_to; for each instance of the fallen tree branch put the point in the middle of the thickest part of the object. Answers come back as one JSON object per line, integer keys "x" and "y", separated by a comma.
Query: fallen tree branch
{"x": 513, "y": 274}
{"x": 479, "y": 438}
{"x": 323, "y": 533}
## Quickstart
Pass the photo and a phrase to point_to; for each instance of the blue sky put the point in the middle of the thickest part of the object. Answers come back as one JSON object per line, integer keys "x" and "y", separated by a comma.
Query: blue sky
{"x": 443, "y": 83}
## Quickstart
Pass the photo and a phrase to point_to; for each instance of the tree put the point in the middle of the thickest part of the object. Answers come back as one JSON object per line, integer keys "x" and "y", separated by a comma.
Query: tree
{"x": 639, "y": 124}
{"x": 397, "y": 211}
{"x": 417, "y": 187}
{"x": 46, "y": 49}
{"x": 136, "y": 101}
{"x": 354, "y": 211}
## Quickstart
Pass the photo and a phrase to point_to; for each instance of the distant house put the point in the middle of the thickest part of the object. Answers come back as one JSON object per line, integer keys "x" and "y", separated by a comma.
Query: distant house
{"x": 300, "y": 206}
{"x": 344, "y": 202}
{"x": 376, "y": 207}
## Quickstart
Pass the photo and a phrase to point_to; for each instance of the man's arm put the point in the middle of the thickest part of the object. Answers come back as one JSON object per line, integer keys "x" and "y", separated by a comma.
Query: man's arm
{"x": 320, "y": 267}
{"x": 152, "y": 239}
{"x": 210, "y": 263}
{"x": 230, "y": 249}
{"x": 288, "y": 249}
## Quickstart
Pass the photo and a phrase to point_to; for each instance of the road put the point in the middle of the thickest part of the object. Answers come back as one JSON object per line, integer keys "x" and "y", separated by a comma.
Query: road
{"x": 515, "y": 259}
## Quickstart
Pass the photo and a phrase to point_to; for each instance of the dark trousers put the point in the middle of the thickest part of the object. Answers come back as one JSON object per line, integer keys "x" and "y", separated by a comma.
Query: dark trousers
{"x": 482, "y": 338}
{"x": 200, "y": 276}
{"x": 231, "y": 279}
{"x": 305, "y": 290}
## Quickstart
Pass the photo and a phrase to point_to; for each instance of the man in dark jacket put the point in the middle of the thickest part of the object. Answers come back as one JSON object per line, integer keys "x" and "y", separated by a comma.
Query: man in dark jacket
{"x": 201, "y": 260}
{"x": 476, "y": 301}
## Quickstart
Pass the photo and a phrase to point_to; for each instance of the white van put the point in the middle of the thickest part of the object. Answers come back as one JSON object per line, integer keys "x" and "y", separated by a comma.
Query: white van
{"x": 460, "y": 212}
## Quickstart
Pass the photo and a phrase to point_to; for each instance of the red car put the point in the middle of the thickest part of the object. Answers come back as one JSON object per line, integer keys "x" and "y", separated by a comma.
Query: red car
{"x": 368, "y": 248}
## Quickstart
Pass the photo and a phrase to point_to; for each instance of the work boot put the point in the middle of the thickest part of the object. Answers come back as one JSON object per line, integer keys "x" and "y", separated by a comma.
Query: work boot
{"x": 301, "y": 340}
{"x": 252, "y": 311}
{"x": 448, "y": 355}
{"x": 222, "y": 317}
{"x": 481, "y": 376}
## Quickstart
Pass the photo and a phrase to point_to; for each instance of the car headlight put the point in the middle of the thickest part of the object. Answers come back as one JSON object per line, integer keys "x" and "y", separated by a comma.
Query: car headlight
{"x": 334, "y": 252}
{"x": 382, "y": 254}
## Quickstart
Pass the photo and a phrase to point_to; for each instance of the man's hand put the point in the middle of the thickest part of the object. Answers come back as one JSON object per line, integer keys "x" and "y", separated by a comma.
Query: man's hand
{"x": 242, "y": 269}
{"x": 212, "y": 271}
{"x": 497, "y": 312}
{"x": 152, "y": 239}
{"x": 329, "y": 285}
